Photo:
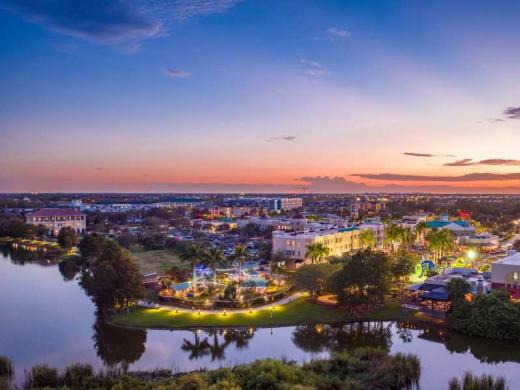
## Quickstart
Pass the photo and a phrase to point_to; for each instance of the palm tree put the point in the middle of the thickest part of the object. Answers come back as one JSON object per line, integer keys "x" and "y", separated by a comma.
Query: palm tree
{"x": 193, "y": 254}
{"x": 394, "y": 236}
{"x": 317, "y": 251}
{"x": 368, "y": 238}
{"x": 420, "y": 229}
{"x": 212, "y": 258}
{"x": 241, "y": 254}
{"x": 440, "y": 242}
{"x": 197, "y": 349}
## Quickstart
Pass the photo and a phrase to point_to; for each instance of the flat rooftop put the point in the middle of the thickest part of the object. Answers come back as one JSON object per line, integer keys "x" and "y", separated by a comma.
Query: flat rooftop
{"x": 510, "y": 260}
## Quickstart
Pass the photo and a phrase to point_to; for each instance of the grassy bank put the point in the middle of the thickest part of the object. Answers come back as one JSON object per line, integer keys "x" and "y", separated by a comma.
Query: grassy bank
{"x": 300, "y": 311}
{"x": 157, "y": 261}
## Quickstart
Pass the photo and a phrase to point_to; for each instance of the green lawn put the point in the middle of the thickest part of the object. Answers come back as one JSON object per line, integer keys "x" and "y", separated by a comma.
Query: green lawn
{"x": 157, "y": 261}
{"x": 300, "y": 311}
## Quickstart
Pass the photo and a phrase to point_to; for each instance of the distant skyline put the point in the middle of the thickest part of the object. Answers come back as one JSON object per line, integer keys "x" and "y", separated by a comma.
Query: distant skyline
{"x": 259, "y": 96}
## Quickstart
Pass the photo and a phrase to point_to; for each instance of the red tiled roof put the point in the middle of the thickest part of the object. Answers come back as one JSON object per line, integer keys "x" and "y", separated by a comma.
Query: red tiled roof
{"x": 55, "y": 213}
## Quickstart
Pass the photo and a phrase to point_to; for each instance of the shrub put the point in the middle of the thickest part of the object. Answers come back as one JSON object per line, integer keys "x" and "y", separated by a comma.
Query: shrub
{"x": 41, "y": 376}
{"x": 78, "y": 375}
{"x": 6, "y": 368}
{"x": 472, "y": 382}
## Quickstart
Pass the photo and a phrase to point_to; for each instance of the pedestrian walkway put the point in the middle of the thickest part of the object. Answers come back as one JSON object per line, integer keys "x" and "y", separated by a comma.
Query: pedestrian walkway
{"x": 267, "y": 306}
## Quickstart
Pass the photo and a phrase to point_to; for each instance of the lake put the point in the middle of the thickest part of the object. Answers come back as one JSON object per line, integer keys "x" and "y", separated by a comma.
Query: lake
{"x": 45, "y": 317}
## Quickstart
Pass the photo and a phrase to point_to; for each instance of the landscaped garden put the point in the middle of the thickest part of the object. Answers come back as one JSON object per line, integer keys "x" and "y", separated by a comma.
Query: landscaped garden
{"x": 299, "y": 311}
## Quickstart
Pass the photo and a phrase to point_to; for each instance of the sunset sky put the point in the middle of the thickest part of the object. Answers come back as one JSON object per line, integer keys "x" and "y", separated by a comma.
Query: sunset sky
{"x": 259, "y": 96}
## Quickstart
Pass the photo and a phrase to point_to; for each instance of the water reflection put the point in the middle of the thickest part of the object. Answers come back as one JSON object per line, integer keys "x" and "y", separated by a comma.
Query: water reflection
{"x": 68, "y": 269}
{"x": 336, "y": 338}
{"x": 61, "y": 328}
{"x": 214, "y": 342}
{"x": 21, "y": 257}
{"x": 118, "y": 346}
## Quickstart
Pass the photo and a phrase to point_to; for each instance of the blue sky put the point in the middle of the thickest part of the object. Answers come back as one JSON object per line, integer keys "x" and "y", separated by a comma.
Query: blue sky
{"x": 259, "y": 95}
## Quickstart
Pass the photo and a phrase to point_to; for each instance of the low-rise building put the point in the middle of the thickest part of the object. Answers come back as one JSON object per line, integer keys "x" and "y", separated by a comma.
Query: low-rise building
{"x": 337, "y": 241}
{"x": 284, "y": 224}
{"x": 56, "y": 219}
{"x": 505, "y": 273}
{"x": 485, "y": 241}
{"x": 459, "y": 227}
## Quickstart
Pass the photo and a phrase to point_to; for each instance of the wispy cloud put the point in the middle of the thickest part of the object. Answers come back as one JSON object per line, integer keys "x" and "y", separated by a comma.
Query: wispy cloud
{"x": 338, "y": 32}
{"x": 124, "y": 23}
{"x": 180, "y": 74}
{"x": 289, "y": 138}
{"x": 512, "y": 112}
{"x": 313, "y": 68}
{"x": 414, "y": 154}
{"x": 460, "y": 178}
{"x": 491, "y": 161}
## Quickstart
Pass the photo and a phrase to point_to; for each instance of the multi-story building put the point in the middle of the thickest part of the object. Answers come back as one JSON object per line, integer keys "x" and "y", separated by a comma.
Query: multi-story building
{"x": 377, "y": 227}
{"x": 338, "y": 241}
{"x": 276, "y": 204}
{"x": 284, "y": 224}
{"x": 56, "y": 219}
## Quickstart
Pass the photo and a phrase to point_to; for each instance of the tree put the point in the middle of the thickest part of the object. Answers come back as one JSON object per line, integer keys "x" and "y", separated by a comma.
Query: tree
{"x": 314, "y": 277}
{"x": 67, "y": 238}
{"x": 92, "y": 245}
{"x": 241, "y": 254}
{"x": 368, "y": 238}
{"x": 16, "y": 228}
{"x": 394, "y": 236}
{"x": 420, "y": 230}
{"x": 403, "y": 265}
{"x": 457, "y": 290}
{"x": 440, "y": 242}
{"x": 317, "y": 251}
{"x": 364, "y": 278}
{"x": 193, "y": 254}
{"x": 516, "y": 245}
{"x": 212, "y": 258}
{"x": 113, "y": 280}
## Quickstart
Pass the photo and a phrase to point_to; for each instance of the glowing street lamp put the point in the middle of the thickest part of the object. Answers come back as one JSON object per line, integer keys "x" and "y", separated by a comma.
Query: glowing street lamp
{"x": 472, "y": 254}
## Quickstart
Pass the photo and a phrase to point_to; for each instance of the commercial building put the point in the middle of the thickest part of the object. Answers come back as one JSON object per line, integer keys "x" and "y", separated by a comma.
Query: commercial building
{"x": 56, "y": 219}
{"x": 278, "y": 204}
{"x": 338, "y": 241}
{"x": 459, "y": 227}
{"x": 284, "y": 224}
{"x": 505, "y": 273}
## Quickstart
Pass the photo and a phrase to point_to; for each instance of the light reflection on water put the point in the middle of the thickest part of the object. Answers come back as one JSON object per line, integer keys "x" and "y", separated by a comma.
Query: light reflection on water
{"x": 47, "y": 318}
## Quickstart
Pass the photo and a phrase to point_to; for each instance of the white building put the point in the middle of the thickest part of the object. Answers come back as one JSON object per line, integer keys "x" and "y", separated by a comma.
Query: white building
{"x": 284, "y": 224}
{"x": 377, "y": 227}
{"x": 505, "y": 273}
{"x": 338, "y": 241}
{"x": 56, "y": 219}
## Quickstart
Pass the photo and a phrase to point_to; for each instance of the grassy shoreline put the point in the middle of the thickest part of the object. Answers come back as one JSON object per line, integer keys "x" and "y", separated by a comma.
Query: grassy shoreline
{"x": 298, "y": 312}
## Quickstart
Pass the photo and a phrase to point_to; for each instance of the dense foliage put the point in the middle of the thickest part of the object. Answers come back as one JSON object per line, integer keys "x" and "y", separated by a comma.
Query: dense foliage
{"x": 113, "y": 279}
{"x": 364, "y": 368}
{"x": 92, "y": 245}
{"x": 313, "y": 278}
{"x": 364, "y": 279}
{"x": 493, "y": 315}
{"x": 67, "y": 238}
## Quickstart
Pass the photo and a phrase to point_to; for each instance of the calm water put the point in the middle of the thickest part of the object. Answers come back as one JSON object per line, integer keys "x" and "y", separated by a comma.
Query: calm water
{"x": 45, "y": 317}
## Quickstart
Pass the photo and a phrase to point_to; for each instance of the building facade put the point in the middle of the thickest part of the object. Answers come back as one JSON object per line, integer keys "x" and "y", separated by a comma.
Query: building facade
{"x": 505, "y": 273}
{"x": 56, "y": 219}
{"x": 338, "y": 241}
